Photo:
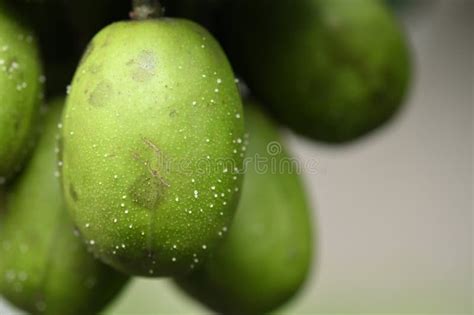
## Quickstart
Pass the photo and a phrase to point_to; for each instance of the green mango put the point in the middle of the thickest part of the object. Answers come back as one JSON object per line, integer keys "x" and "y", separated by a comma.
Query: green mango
{"x": 150, "y": 146}
{"x": 266, "y": 255}
{"x": 44, "y": 267}
{"x": 332, "y": 70}
{"x": 20, "y": 91}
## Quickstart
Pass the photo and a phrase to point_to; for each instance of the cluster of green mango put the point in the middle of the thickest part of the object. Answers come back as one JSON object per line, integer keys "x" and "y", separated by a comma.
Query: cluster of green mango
{"x": 147, "y": 167}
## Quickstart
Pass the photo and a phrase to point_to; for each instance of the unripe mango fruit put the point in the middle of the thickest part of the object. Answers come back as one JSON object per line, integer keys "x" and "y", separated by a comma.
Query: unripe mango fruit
{"x": 20, "y": 91}
{"x": 266, "y": 256}
{"x": 152, "y": 146}
{"x": 332, "y": 70}
{"x": 44, "y": 267}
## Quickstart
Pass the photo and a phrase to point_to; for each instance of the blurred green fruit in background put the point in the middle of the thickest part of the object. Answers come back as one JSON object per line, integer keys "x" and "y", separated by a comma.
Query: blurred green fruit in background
{"x": 330, "y": 69}
{"x": 20, "y": 91}
{"x": 44, "y": 267}
{"x": 150, "y": 137}
{"x": 55, "y": 37}
{"x": 266, "y": 256}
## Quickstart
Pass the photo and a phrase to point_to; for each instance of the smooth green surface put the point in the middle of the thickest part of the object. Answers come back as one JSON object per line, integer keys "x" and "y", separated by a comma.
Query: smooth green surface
{"x": 265, "y": 258}
{"x": 330, "y": 69}
{"x": 150, "y": 146}
{"x": 44, "y": 267}
{"x": 20, "y": 91}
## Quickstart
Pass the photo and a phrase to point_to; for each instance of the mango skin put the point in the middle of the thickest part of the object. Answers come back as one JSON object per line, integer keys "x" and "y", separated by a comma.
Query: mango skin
{"x": 151, "y": 146}
{"x": 20, "y": 92}
{"x": 332, "y": 70}
{"x": 45, "y": 268}
{"x": 266, "y": 256}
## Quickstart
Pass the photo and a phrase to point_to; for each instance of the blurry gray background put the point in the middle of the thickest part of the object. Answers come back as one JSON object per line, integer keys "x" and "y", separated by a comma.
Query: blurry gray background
{"x": 393, "y": 210}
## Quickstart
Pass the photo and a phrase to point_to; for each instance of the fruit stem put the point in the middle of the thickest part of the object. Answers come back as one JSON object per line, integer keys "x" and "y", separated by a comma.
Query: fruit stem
{"x": 145, "y": 9}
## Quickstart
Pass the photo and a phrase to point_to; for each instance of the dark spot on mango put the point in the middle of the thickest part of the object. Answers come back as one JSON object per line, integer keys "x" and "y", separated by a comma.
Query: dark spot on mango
{"x": 16, "y": 125}
{"x": 148, "y": 188}
{"x": 95, "y": 68}
{"x": 143, "y": 67}
{"x": 73, "y": 193}
{"x": 101, "y": 94}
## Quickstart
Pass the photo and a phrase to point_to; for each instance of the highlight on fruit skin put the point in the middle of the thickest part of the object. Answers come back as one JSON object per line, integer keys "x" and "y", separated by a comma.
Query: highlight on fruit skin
{"x": 45, "y": 267}
{"x": 150, "y": 146}
{"x": 332, "y": 70}
{"x": 21, "y": 86}
{"x": 266, "y": 256}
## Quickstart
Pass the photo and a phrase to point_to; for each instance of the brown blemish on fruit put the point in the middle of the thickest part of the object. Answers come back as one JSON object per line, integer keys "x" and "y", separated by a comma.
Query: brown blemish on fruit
{"x": 16, "y": 125}
{"x": 95, "y": 68}
{"x": 73, "y": 193}
{"x": 149, "y": 187}
{"x": 143, "y": 66}
{"x": 101, "y": 94}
